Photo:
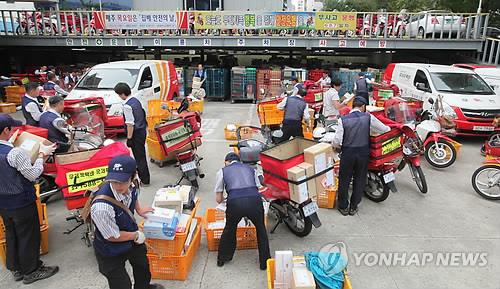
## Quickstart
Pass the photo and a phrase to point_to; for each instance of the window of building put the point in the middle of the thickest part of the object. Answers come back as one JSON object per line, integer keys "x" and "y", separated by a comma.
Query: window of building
{"x": 209, "y": 5}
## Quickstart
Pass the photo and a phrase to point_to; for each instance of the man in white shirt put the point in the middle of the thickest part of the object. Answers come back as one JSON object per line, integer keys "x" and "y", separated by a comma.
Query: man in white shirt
{"x": 52, "y": 85}
{"x": 324, "y": 81}
{"x": 331, "y": 102}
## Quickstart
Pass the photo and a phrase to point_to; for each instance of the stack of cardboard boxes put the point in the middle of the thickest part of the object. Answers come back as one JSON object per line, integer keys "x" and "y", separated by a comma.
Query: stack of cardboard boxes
{"x": 319, "y": 160}
{"x": 291, "y": 272}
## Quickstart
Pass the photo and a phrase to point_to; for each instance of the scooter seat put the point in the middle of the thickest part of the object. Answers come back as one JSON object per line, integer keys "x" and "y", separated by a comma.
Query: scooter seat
{"x": 250, "y": 154}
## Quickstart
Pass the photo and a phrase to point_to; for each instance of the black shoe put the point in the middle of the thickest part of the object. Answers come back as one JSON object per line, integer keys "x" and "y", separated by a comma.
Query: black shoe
{"x": 353, "y": 212}
{"x": 41, "y": 273}
{"x": 17, "y": 276}
{"x": 263, "y": 267}
{"x": 156, "y": 286}
{"x": 220, "y": 263}
{"x": 344, "y": 212}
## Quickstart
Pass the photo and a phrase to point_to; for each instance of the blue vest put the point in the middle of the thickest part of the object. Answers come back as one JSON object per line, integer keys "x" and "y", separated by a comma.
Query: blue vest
{"x": 361, "y": 85}
{"x": 55, "y": 135}
{"x": 356, "y": 137}
{"x": 124, "y": 222}
{"x": 139, "y": 114}
{"x": 29, "y": 119}
{"x": 239, "y": 180}
{"x": 199, "y": 74}
{"x": 16, "y": 191}
{"x": 49, "y": 86}
{"x": 294, "y": 109}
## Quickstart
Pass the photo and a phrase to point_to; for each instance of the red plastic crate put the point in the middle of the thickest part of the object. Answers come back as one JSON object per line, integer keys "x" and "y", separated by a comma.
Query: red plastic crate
{"x": 315, "y": 74}
{"x": 385, "y": 144}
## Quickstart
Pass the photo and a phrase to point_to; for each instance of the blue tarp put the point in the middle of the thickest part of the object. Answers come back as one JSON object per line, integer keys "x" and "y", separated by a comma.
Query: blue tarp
{"x": 327, "y": 268}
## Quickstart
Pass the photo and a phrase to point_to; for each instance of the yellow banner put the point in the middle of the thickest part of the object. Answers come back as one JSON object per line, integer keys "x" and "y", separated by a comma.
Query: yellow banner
{"x": 86, "y": 179}
{"x": 391, "y": 145}
{"x": 335, "y": 21}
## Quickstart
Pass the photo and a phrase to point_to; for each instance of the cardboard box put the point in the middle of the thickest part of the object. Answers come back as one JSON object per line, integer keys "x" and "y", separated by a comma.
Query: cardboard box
{"x": 182, "y": 225}
{"x": 185, "y": 192}
{"x": 311, "y": 184}
{"x": 302, "y": 279}
{"x": 168, "y": 198}
{"x": 163, "y": 231}
{"x": 74, "y": 157}
{"x": 283, "y": 269}
{"x": 321, "y": 156}
{"x": 161, "y": 215}
{"x": 31, "y": 144}
{"x": 298, "y": 193}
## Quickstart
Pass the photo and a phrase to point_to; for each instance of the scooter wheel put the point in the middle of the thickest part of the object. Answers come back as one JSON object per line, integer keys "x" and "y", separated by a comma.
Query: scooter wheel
{"x": 376, "y": 190}
{"x": 440, "y": 155}
{"x": 296, "y": 222}
{"x": 194, "y": 183}
{"x": 419, "y": 177}
{"x": 483, "y": 182}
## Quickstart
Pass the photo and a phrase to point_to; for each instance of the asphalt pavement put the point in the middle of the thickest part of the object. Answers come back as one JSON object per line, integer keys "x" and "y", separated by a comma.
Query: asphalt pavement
{"x": 430, "y": 234}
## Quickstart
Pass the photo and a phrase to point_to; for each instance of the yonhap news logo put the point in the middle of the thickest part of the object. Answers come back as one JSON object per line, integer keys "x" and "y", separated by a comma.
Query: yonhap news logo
{"x": 334, "y": 257}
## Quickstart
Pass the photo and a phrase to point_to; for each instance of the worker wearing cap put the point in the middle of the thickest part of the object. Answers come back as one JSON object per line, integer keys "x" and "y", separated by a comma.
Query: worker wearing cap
{"x": 32, "y": 109}
{"x": 117, "y": 236}
{"x": 353, "y": 137}
{"x": 241, "y": 183}
{"x": 136, "y": 128}
{"x": 296, "y": 109}
{"x": 296, "y": 85}
{"x": 18, "y": 207}
{"x": 55, "y": 124}
{"x": 361, "y": 86}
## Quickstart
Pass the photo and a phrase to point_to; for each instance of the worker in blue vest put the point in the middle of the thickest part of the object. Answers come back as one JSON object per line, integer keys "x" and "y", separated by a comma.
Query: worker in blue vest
{"x": 242, "y": 184}
{"x": 361, "y": 86}
{"x": 136, "y": 129}
{"x": 55, "y": 124}
{"x": 353, "y": 138}
{"x": 18, "y": 207}
{"x": 52, "y": 85}
{"x": 32, "y": 109}
{"x": 202, "y": 74}
{"x": 296, "y": 85}
{"x": 296, "y": 109}
{"x": 117, "y": 236}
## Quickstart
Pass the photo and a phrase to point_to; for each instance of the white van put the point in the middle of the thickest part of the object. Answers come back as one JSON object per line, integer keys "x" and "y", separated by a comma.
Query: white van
{"x": 148, "y": 79}
{"x": 472, "y": 99}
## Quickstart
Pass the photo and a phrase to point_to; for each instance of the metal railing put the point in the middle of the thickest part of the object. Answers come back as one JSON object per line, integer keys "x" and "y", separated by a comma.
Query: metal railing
{"x": 491, "y": 52}
{"x": 386, "y": 25}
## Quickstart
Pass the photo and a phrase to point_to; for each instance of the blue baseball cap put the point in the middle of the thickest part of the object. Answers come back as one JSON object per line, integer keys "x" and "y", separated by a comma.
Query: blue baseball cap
{"x": 232, "y": 157}
{"x": 294, "y": 78}
{"x": 121, "y": 168}
{"x": 7, "y": 121}
{"x": 360, "y": 99}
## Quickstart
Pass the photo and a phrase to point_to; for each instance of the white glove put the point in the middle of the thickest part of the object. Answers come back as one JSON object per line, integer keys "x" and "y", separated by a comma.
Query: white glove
{"x": 47, "y": 150}
{"x": 139, "y": 237}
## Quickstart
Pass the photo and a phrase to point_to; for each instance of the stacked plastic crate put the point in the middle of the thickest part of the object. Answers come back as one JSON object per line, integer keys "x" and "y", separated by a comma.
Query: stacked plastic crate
{"x": 348, "y": 78}
{"x": 188, "y": 79}
{"x": 315, "y": 74}
{"x": 243, "y": 83}
{"x": 270, "y": 81}
{"x": 217, "y": 84}
{"x": 180, "y": 79}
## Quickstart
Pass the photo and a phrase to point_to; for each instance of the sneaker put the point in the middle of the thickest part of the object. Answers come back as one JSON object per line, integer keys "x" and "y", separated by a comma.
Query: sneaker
{"x": 17, "y": 276}
{"x": 344, "y": 212}
{"x": 41, "y": 273}
{"x": 263, "y": 267}
{"x": 353, "y": 212}
{"x": 220, "y": 263}
{"x": 156, "y": 286}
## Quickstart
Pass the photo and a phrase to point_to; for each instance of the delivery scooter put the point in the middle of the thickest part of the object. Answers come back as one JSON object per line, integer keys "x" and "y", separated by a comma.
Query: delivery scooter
{"x": 299, "y": 218}
{"x": 435, "y": 131}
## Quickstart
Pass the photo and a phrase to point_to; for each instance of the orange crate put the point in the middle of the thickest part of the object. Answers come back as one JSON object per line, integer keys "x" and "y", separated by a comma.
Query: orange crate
{"x": 173, "y": 247}
{"x": 7, "y": 107}
{"x": 175, "y": 267}
{"x": 3, "y": 252}
{"x": 2, "y": 229}
{"x": 245, "y": 133}
{"x": 154, "y": 149}
{"x": 246, "y": 237}
{"x": 326, "y": 199}
{"x": 158, "y": 107}
{"x": 271, "y": 273}
{"x": 269, "y": 114}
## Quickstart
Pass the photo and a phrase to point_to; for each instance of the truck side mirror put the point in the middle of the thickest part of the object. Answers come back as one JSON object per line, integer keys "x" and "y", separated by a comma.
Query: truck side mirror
{"x": 422, "y": 86}
{"x": 145, "y": 84}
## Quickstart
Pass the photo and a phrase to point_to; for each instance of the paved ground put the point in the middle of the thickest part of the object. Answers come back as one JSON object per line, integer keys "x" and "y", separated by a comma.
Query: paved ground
{"x": 451, "y": 218}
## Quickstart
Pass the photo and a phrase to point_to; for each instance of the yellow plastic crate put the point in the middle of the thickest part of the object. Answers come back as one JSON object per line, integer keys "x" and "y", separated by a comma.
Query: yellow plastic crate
{"x": 158, "y": 107}
{"x": 271, "y": 275}
{"x": 7, "y": 107}
{"x": 269, "y": 114}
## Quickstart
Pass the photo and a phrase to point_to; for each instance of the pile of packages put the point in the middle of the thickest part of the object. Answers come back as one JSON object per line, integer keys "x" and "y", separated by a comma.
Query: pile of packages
{"x": 322, "y": 269}
{"x": 172, "y": 233}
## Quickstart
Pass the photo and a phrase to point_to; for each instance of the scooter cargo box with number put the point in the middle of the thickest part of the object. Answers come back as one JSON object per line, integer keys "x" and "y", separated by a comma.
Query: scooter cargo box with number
{"x": 385, "y": 147}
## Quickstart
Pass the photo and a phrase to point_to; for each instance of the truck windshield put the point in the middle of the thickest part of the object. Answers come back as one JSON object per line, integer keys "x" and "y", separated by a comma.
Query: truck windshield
{"x": 460, "y": 83}
{"x": 108, "y": 78}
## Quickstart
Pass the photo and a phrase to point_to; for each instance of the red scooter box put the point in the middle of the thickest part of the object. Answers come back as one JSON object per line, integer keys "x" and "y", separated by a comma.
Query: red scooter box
{"x": 177, "y": 133}
{"x": 386, "y": 143}
{"x": 277, "y": 160}
{"x": 41, "y": 132}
